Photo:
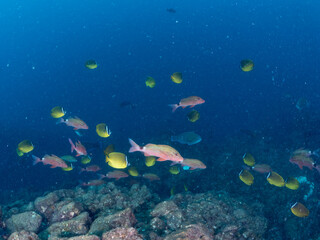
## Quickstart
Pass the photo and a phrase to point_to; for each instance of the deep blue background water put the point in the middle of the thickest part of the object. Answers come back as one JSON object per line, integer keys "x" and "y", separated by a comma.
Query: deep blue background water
{"x": 45, "y": 45}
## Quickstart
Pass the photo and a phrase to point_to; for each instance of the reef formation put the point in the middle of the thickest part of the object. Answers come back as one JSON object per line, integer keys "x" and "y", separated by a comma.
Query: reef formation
{"x": 114, "y": 212}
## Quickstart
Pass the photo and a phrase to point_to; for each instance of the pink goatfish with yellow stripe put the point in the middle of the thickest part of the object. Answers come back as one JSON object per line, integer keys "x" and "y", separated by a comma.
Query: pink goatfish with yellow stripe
{"x": 163, "y": 152}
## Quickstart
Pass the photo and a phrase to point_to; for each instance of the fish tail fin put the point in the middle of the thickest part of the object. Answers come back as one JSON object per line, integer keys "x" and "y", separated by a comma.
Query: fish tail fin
{"x": 72, "y": 145}
{"x": 35, "y": 159}
{"x": 174, "y": 107}
{"x": 101, "y": 176}
{"x": 134, "y": 147}
{"x": 60, "y": 120}
{"x": 81, "y": 183}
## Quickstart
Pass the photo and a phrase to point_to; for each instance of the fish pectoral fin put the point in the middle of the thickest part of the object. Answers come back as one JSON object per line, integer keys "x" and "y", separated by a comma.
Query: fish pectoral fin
{"x": 192, "y": 106}
{"x": 300, "y": 166}
{"x": 75, "y": 129}
{"x": 183, "y": 106}
{"x": 52, "y": 166}
{"x": 147, "y": 155}
{"x": 161, "y": 159}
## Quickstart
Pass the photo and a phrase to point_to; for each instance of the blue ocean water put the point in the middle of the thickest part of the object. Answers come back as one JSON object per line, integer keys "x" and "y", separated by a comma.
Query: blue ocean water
{"x": 45, "y": 45}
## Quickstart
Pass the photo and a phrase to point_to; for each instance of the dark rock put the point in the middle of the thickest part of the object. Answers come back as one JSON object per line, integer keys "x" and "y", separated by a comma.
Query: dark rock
{"x": 157, "y": 225}
{"x": 28, "y": 207}
{"x": 76, "y": 226}
{"x": 191, "y": 232}
{"x": 82, "y": 237}
{"x": 124, "y": 218}
{"x": 164, "y": 208}
{"x": 65, "y": 193}
{"x": 46, "y": 205}
{"x": 122, "y": 234}
{"x": 139, "y": 195}
{"x": 28, "y": 221}
{"x": 170, "y": 212}
{"x": 154, "y": 236}
{"x": 65, "y": 210}
{"x": 85, "y": 237}
{"x": 23, "y": 235}
{"x": 228, "y": 233}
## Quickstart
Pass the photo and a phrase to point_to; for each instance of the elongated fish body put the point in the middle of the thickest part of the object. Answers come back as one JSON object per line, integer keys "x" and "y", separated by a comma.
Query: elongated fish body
{"x": 52, "y": 160}
{"x": 187, "y": 102}
{"x": 75, "y": 122}
{"x": 189, "y": 138}
{"x": 163, "y": 152}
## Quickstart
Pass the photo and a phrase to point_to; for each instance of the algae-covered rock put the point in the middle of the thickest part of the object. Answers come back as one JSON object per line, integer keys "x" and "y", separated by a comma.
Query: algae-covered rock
{"x": 76, "y": 226}
{"x": 122, "y": 234}
{"x": 191, "y": 232}
{"x": 28, "y": 221}
{"x": 65, "y": 210}
{"x": 45, "y": 205}
{"x": 23, "y": 235}
{"x": 124, "y": 218}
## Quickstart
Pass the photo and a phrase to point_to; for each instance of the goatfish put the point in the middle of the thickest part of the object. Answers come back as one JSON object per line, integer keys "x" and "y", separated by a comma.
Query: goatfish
{"x": 116, "y": 174}
{"x": 52, "y": 160}
{"x": 96, "y": 182}
{"x": 261, "y": 168}
{"x": 163, "y": 152}
{"x": 303, "y": 159}
{"x": 151, "y": 176}
{"x": 79, "y": 148}
{"x": 91, "y": 168}
{"x": 75, "y": 122}
{"x": 192, "y": 164}
{"x": 187, "y": 102}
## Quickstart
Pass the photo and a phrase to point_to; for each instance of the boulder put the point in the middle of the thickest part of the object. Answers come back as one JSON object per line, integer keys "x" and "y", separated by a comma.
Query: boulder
{"x": 28, "y": 221}
{"x": 102, "y": 224}
{"x": 122, "y": 234}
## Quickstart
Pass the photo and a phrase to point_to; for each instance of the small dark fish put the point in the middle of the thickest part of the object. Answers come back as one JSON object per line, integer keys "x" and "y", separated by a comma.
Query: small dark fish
{"x": 128, "y": 104}
{"x": 171, "y": 10}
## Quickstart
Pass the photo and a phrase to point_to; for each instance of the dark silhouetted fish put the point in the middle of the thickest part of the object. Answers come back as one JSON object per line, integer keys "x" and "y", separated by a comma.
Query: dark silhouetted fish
{"x": 127, "y": 104}
{"x": 171, "y": 10}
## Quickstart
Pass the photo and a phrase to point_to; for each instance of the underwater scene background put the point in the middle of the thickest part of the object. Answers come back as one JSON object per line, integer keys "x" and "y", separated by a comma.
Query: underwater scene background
{"x": 270, "y": 112}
